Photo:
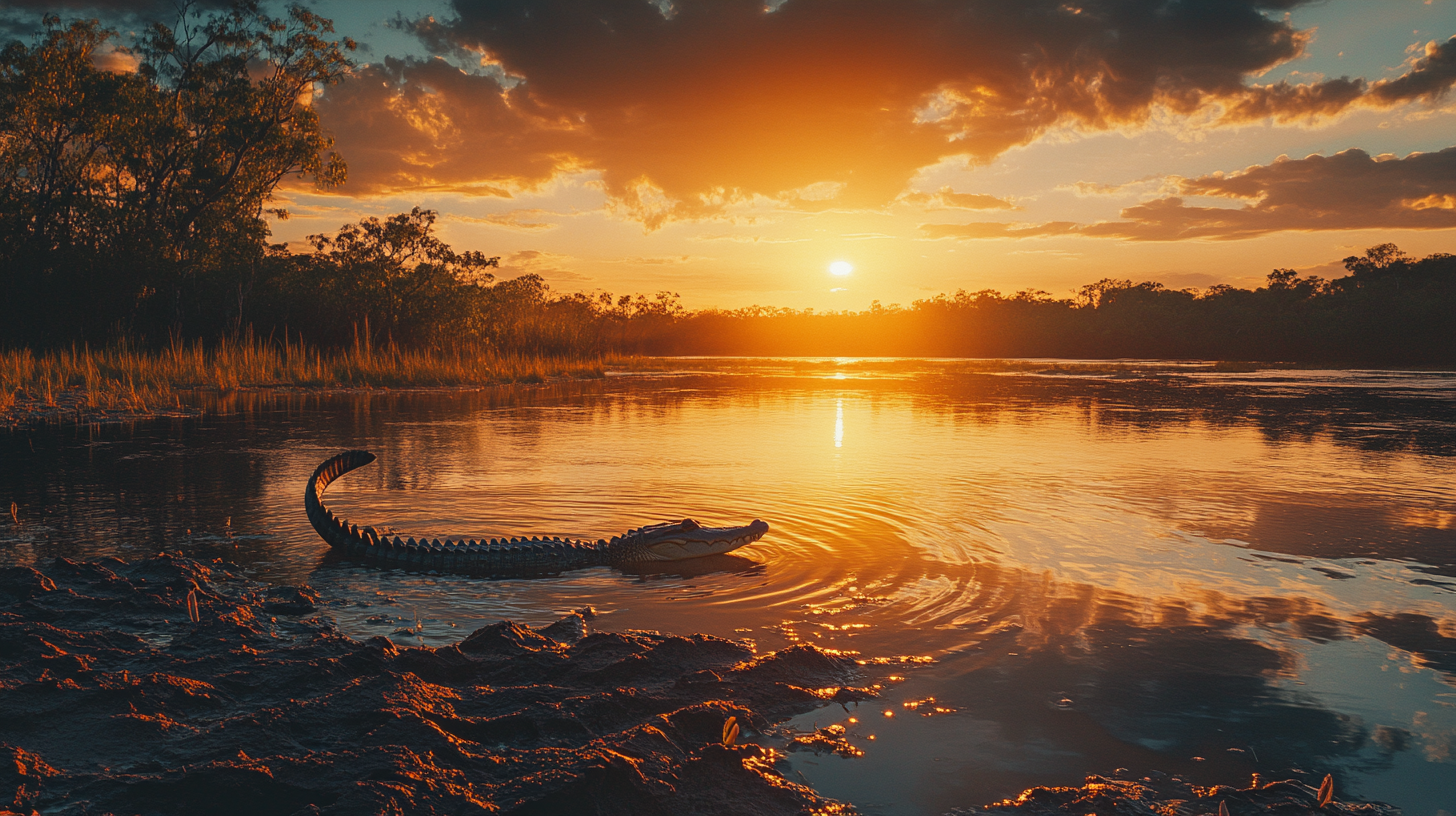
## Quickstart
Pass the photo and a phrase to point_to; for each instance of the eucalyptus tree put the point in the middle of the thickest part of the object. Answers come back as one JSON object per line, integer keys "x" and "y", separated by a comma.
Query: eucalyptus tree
{"x": 134, "y": 196}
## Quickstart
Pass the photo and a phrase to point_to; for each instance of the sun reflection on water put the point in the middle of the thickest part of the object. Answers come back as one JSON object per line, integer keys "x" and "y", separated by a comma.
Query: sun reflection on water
{"x": 1066, "y": 573}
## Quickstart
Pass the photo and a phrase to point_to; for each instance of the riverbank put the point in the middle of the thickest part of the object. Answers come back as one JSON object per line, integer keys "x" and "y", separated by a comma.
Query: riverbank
{"x": 170, "y": 685}
{"x": 121, "y": 383}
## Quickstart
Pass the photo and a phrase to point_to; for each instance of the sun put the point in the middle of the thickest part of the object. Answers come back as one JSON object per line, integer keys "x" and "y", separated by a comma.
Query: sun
{"x": 840, "y": 268}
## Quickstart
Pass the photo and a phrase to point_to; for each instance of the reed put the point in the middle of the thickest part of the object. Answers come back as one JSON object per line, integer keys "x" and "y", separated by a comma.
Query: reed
{"x": 125, "y": 378}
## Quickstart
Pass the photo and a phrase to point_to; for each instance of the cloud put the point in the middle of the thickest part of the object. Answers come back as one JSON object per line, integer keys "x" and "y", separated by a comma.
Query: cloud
{"x": 750, "y": 239}
{"x": 999, "y": 229}
{"x": 948, "y": 199}
{"x": 151, "y": 9}
{"x": 1427, "y": 79}
{"x": 515, "y": 219}
{"x": 116, "y": 60}
{"x": 1144, "y": 185}
{"x": 1286, "y": 102}
{"x": 425, "y": 125}
{"x": 21, "y": 19}
{"x": 1346, "y": 191}
{"x": 689, "y": 111}
{"x": 549, "y": 265}
{"x": 641, "y": 260}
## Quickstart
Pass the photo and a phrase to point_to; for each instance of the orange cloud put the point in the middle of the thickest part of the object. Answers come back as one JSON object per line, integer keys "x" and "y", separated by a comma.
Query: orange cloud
{"x": 515, "y": 219}
{"x": 426, "y": 125}
{"x": 948, "y": 199}
{"x": 1349, "y": 190}
{"x": 549, "y": 265}
{"x": 687, "y": 109}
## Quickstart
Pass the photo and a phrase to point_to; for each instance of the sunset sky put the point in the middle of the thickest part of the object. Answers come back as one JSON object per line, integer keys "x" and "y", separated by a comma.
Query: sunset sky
{"x": 731, "y": 151}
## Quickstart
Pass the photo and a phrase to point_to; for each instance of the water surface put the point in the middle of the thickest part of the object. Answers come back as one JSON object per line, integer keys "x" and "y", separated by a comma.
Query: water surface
{"x": 1052, "y": 569}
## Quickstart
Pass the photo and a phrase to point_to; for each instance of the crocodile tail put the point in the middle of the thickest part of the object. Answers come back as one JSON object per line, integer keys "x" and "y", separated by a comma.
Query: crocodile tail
{"x": 334, "y": 530}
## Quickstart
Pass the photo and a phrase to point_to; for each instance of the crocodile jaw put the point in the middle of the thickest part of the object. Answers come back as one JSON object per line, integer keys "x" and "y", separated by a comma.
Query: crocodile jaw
{"x": 685, "y": 539}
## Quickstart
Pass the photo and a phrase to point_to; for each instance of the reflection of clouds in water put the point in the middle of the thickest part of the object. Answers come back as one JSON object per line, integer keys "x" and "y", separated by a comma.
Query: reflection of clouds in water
{"x": 1158, "y": 554}
{"x": 1438, "y": 746}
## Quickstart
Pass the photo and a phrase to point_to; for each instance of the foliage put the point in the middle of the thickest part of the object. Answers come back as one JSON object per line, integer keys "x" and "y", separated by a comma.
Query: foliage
{"x": 135, "y": 200}
{"x": 411, "y": 286}
{"x": 395, "y": 281}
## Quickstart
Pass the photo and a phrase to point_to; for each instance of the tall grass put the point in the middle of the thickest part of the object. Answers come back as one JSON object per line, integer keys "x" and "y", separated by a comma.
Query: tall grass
{"x": 125, "y": 378}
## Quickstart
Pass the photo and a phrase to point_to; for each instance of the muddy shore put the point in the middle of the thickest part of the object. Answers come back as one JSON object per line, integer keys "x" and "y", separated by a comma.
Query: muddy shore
{"x": 171, "y": 686}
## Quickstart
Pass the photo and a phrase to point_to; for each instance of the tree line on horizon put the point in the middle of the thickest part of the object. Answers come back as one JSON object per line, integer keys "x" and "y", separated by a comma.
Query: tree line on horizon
{"x": 1390, "y": 309}
{"x": 134, "y": 205}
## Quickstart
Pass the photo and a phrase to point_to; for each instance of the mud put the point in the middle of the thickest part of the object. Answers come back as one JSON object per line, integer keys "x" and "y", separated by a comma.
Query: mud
{"x": 1163, "y": 795}
{"x": 172, "y": 686}
{"x": 113, "y": 700}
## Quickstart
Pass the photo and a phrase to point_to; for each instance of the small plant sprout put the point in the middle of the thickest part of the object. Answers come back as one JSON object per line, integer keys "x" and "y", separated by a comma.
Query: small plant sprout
{"x": 730, "y": 731}
{"x": 14, "y": 513}
{"x": 1326, "y": 793}
{"x": 192, "y": 606}
{"x": 1223, "y": 809}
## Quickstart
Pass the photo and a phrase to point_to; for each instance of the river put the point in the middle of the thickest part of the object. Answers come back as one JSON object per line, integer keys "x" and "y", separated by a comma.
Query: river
{"x": 1051, "y": 568}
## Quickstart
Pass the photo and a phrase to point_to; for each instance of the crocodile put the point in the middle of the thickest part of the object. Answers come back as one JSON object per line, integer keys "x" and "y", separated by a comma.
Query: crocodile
{"x": 509, "y": 557}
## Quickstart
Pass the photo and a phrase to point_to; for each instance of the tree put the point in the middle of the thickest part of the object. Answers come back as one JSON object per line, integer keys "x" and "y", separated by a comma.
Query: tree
{"x": 147, "y": 190}
{"x": 411, "y": 285}
{"x": 1378, "y": 260}
{"x": 1282, "y": 278}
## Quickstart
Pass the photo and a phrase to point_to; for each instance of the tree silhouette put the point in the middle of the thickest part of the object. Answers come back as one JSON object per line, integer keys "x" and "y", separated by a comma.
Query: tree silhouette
{"x": 136, "y": 199}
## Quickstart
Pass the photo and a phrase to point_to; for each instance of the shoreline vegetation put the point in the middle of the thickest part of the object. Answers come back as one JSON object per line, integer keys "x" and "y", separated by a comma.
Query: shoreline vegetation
{"x": 123, "y": 381}
{"x": 127, "y": 382}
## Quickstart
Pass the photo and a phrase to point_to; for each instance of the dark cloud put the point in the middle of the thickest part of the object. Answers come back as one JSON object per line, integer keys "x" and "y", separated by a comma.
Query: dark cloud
{"x": 421, "y": 125}
{"x": 686, "y": 110}
{"x": 1429, "y": 78}
{"x": 720, "y": 99}
{"x": 164, "y": 8}
{"x": 21, "y": 19}
{"x": 1285, "y": 102}
{"x": 1349, "y": 190}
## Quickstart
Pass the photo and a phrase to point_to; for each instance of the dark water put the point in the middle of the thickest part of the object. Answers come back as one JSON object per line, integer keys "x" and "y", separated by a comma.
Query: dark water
{"x": 1172, "y": 568}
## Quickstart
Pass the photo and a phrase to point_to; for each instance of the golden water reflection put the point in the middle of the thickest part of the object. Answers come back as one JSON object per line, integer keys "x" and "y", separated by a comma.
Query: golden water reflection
{"x": 1176, "y": 569}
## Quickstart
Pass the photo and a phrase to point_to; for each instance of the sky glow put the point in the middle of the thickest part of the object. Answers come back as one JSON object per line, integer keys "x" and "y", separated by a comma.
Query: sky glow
{"x": 722, "y": 152}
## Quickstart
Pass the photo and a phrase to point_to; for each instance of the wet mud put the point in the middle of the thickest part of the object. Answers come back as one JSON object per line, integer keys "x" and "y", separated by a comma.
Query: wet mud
{"x": 1162, "y": 795}
{"x": 171, "y": 686}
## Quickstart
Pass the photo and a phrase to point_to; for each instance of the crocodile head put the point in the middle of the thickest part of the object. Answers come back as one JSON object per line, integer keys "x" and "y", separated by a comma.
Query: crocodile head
{"x": 677, "y": 540}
